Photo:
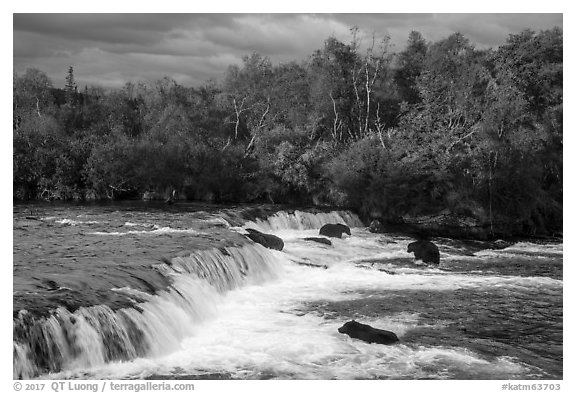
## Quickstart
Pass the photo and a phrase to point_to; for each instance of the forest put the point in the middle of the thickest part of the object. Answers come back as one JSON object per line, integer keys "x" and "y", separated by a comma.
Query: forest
{"x": 436, "y": 128}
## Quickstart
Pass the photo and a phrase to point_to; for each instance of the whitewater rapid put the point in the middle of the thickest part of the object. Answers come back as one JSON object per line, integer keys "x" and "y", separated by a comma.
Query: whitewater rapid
{"x": 247, "y": 312}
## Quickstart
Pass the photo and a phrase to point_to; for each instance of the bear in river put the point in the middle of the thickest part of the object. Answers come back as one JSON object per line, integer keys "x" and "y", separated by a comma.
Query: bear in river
{"x": 425, "y": 251}
{"x": 368, "y": 333}
{"x": 267, "y": 240}
{"x": 334, "y": 230}
{"x": 376, "y": 226}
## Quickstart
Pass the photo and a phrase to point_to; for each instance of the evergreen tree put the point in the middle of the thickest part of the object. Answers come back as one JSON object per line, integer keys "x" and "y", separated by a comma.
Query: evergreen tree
{"x": 70, "y": 88}
{"x": 410, "y": 66}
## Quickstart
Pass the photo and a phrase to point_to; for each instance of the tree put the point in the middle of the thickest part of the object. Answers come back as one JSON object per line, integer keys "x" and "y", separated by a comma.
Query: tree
{"x": 409, "y": 67}
{"x": 331, "y": 88}
{"x": 368, "y": 77}
{"x": 535, "y": 61}
{"x": 111, "y": 171}
{"x": 36, "y": 142}
{"x": 70, "y": 88}
{"x": 246, "y": 91}
{"x": 290, "y": 96}
{"x": 449, "y": 129}
{"x": 32, "y": 95}
{"x": 522, "y": 132}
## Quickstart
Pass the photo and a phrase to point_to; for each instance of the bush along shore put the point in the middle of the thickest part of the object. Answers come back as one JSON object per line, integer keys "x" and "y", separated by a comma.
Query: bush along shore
{"x": 441, "y": 136}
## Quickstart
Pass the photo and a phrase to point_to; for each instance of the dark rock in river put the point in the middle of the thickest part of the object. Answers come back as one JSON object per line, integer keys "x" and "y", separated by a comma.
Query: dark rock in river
{"x": 267, "y": 240}
{"x": 51, "y": 285}
{"x": 334, "y": 230}
{"x": 499, "y": 244}
{"x": 368, "y": 333}
{"x": 319, "y": 240}
{"x": 425, "y": 250}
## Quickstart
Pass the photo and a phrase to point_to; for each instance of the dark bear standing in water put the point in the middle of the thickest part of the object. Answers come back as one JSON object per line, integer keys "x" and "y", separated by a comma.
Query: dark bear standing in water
{"x": 267, "y": 240}
{"x": 334, "y": 230}
{"x": 425, "y": 251}
{"x": 368, "y": 333}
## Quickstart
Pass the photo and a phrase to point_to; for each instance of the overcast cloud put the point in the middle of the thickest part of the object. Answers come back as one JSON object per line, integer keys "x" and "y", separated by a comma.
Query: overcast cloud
{"x": 112, "y": 49}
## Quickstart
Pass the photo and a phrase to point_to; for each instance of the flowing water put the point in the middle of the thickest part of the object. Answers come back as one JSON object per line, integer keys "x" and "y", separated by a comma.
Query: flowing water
{"x": 144, "y": 291}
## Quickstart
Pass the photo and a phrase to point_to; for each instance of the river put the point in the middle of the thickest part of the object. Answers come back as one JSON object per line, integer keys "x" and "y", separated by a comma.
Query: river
{"x": 147, "y": 291}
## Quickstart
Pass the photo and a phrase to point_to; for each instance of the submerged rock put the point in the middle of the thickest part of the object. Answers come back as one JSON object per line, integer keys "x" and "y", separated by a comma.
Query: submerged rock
{"x": 334, "y": 230}
{"x": 319, "y": 240}
{"x": 425, "y": 250}
{"x": 368, "y": 333}
{"x": 267, "y": 240}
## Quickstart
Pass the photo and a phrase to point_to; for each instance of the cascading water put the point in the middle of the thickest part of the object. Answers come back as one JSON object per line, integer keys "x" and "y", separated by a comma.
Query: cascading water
{"x": 300, "y": 220}
{"x": 115, "y": 293}
{"x": 156, "y": 324}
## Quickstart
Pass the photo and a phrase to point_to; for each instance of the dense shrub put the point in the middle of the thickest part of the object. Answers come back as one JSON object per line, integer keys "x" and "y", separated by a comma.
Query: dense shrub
{"x": 438, "y": 127}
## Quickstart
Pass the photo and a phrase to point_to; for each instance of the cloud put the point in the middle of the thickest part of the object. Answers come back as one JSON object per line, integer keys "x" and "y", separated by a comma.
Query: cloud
{"x": 111, "y": 49}
{"x": 275, "y": 36}
{"x": 484, "y": 30}
{"x": 488, "y": 30}
{"x": 111, "y": 28}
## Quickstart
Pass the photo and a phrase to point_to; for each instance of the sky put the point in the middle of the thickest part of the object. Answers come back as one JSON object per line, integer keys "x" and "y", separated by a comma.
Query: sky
{"x": 111, "y": 49}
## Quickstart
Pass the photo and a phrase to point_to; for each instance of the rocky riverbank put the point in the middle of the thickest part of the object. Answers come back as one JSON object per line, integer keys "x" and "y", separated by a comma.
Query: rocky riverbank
{"x": 454, "y": 226}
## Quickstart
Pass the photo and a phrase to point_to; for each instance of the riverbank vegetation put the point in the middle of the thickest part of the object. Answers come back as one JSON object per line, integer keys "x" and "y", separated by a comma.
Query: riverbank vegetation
{"x": 438, "y": 128}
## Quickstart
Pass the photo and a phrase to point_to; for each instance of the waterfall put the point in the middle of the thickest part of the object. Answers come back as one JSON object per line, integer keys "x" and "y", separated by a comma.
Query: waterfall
{"x": 300, "y": 220}
{"x": 158, "y": 322}
{"x": 155, "y": 325}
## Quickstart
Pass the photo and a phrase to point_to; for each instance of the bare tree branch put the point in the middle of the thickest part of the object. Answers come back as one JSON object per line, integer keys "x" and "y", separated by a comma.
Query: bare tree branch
{"x": 337, "y": 123}
{"x": 461, "y": 139}
{"x": 238, "y": 112}
{"x": 38, "y": 107}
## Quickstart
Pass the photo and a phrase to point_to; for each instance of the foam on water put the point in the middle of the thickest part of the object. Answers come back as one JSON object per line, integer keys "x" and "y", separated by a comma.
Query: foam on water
{"x": 156, "y": 231}
{"x": 246, "y": 312}
{"x": 135, "y": 224}
{"x": 336, "y": 358}
{"x": 361, "y": 246}
{"x": 67, "y": 221}
{"x": 556, "y": 248}
{"x": 261, "y": 330}
{"x": 95, "y": 335}
{"x": 525, "y": 250}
